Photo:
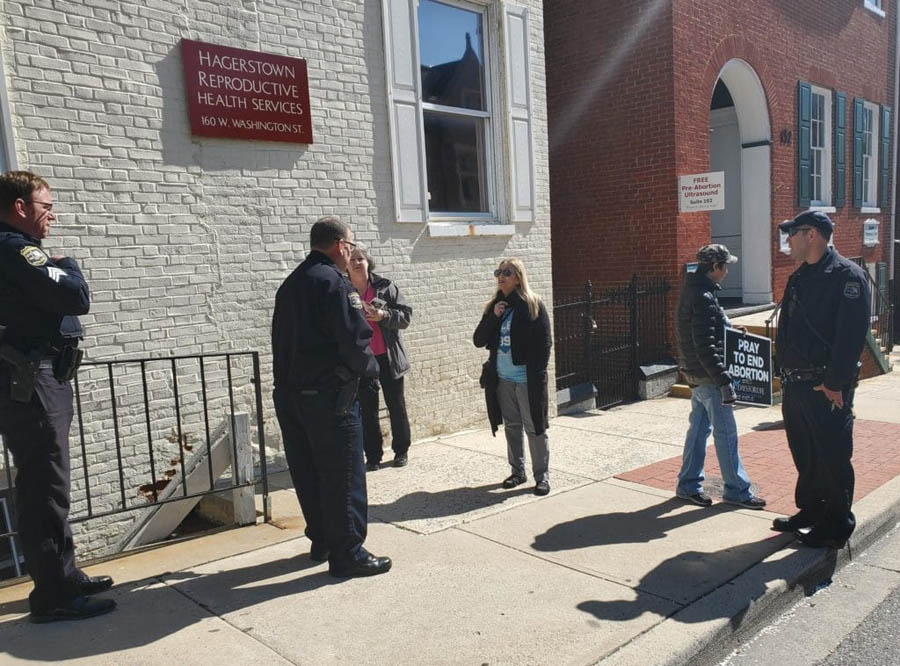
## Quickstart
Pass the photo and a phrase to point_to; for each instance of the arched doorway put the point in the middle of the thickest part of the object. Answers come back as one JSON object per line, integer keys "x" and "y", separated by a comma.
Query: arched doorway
{"x": 740, "y": 144}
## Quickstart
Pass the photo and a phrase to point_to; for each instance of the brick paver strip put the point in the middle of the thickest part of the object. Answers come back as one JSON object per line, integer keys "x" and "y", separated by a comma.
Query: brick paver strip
{"x": 876, "y": 459}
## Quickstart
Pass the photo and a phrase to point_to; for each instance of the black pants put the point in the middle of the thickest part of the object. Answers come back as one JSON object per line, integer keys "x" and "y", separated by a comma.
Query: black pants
{"x": 396, "y": 405}
{"x": 37, "y": 435}
{"x": 821, "y": 442}
{"x": 325, "y": 457}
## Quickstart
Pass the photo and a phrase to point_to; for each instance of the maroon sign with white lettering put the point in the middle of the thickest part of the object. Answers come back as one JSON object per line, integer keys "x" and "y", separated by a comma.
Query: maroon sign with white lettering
{"x": 244, "y": 94}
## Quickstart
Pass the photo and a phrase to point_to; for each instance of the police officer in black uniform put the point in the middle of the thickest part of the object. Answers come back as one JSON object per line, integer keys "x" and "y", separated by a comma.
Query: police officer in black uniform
{"x": 320, "y": 344}
{"x": 821, "y": 331}
{"x": 40, "y": 298}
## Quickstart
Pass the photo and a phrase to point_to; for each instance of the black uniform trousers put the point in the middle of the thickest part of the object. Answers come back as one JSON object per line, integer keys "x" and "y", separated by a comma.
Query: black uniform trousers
{"x": 821, "y": 442}
{"x": 37, "y": 435}
{"x": 396, "y": 405}
{"x": 324, "y": 453}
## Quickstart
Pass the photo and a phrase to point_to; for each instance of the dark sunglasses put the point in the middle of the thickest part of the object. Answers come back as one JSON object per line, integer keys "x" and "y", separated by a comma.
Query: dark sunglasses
{"x": 506, "y": 272}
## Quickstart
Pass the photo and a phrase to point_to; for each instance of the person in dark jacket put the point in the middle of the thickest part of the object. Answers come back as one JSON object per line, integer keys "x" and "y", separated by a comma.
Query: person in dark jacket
{"x": 320, "y": 349}
{"x": 825, "y": 316}
{"x": 515, "y": 328}
{"x": 41, "y": 297}
{"x": 387, "y": 314}
{"x": 700, "y": 335}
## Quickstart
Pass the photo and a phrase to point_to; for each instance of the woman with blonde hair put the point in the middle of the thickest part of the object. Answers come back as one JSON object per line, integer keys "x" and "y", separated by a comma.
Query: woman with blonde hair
{"x": 515, "y": 328}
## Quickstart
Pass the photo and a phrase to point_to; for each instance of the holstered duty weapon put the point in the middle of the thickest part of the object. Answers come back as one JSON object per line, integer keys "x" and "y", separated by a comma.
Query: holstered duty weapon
{"x": 66, "y": 363}
{"x": 347, "y": 390}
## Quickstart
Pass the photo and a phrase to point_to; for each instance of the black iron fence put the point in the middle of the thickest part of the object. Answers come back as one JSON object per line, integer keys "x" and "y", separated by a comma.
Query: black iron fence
{"x": 603, "y": 337}
{"x": 146, "y": 426}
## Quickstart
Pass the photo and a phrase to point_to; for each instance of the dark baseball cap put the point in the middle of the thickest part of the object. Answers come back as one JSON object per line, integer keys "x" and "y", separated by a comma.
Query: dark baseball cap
{"x": 715, "y": 254}
{"x": 811, "y": 218}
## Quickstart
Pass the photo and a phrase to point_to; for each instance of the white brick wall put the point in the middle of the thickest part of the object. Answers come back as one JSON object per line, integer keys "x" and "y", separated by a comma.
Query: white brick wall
{"x": 184, "y": 241}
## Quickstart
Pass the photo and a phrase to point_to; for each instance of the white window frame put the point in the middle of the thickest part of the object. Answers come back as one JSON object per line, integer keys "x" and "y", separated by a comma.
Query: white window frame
{"x": 7, "y": 145}
{"x": 491, "y": 128}
{"x": 509, "y": 154}
{"x": 874, "y": 6}
{"x": 871, "y": 135}
{"x": 824, "y": 151}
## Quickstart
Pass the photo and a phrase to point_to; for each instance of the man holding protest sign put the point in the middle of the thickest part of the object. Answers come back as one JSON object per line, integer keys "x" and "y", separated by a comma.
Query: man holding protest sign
{"x": 699, "y": 332}
{"x": 825, "y": 315}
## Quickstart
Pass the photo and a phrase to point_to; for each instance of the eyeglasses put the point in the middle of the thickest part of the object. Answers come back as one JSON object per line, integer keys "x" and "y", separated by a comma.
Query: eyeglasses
{"x": 47, "y": 206}
{"x": 350, "y": 243}
{"x": 506, "y": 272}
{"x": 793, "y": 232}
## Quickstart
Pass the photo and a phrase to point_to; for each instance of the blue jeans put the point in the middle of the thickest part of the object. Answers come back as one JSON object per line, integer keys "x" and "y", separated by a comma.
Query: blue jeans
{"x": 709, "y": 415}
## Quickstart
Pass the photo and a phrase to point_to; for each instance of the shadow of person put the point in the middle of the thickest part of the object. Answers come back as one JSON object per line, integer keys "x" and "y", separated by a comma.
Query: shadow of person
{"x": 642, "y": 526}
{"x": 155, "y": 608}
{"x": 422, "y": 504}
{"x": 691, "y": 575}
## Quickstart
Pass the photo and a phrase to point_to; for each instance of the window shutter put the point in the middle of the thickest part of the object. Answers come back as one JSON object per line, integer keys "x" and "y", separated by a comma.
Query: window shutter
{"x": 518, "y": 108}
{"x": 804, "y": 148}
{"x": 885, "y": 154}
{"x": 839, "y": 196}
{"x": 858, "y": 111}
{"x": 405, "y": 117}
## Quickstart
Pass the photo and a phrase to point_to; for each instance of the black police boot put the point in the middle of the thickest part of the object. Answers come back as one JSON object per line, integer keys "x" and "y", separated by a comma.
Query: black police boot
{"x": 368, "y": 566}
{"x": 88, "y": 585}
{"x": 796, "y": 522}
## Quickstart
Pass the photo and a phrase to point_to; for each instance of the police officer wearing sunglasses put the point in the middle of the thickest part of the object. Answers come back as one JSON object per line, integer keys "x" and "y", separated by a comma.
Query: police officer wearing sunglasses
{"x": 41, "y": 297}
{"x": 825, "y": 316}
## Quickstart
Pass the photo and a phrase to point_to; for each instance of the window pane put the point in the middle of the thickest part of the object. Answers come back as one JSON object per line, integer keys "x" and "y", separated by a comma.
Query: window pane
{"x": 454, "y": 155}
{"x": 451, "y": 52}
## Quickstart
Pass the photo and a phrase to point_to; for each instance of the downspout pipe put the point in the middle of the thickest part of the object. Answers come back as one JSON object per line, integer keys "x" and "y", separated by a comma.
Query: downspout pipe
{"x": 892, "y": 247}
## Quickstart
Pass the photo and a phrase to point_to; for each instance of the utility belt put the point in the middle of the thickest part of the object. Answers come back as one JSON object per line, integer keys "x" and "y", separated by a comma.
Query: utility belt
{"x": 802, "y": 374}
{"x": 24, "y": 368}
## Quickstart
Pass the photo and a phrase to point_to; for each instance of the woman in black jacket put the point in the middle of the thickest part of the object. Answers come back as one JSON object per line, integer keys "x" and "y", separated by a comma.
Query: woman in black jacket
{"x": 387, "y": 313}
{"x": 516, "y": 330}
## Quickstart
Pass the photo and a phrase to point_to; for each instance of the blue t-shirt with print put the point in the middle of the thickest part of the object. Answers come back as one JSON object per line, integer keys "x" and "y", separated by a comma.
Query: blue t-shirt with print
{"x": 506, "y": 369}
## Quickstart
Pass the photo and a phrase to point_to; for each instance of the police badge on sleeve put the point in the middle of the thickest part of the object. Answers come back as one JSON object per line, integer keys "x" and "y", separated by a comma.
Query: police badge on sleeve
{"x": 355, "y": 300}
{"x": 34, "y": 255}
{"x": 851, "y": 290}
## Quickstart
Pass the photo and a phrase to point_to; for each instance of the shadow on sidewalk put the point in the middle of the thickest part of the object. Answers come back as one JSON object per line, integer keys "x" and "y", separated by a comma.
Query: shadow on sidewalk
{"x": 156, "y": 608}
{"x": 693, "y": 570}
{"x": 641, "y": 526}
{"x": 422, "y": 504}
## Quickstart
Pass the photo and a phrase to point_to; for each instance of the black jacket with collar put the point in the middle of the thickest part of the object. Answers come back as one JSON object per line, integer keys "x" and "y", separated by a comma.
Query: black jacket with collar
{"x": 397, "y": 316}
{"x": 530, "y": 343}
{"x": 700, "y": 332}
{"x": 825, "y": 316}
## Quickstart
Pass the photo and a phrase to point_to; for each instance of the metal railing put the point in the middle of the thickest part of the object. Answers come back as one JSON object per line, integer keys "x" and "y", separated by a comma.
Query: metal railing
{"x": 604, "y": 337}
{"x": 175, "y": 392}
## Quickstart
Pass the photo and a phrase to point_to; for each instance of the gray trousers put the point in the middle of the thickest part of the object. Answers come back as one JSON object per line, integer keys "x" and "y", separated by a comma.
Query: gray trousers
{"x": 517, "y": 414}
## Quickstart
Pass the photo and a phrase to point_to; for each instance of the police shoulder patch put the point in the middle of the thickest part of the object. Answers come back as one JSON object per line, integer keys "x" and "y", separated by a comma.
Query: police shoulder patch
{"x": 34, "y": 255}
{"x": 355, "y": 300}
{"x": 851, "y": 290}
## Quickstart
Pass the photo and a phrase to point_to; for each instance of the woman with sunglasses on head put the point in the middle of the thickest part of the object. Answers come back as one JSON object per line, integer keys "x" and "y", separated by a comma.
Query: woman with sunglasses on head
{"x": 387, "y": 313}
{"x": 515, "y": 329}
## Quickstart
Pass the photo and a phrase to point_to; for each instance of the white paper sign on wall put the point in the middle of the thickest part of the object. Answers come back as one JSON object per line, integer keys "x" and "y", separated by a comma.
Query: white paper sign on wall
{"x": 701, "y": 191}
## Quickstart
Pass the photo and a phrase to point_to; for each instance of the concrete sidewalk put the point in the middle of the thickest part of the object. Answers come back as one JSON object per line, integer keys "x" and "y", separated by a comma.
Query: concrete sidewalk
{"x": 609, "y": 568}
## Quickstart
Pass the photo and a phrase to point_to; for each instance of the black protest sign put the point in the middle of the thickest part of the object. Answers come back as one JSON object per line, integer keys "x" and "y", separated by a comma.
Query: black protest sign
{"x": 748, "y": 358}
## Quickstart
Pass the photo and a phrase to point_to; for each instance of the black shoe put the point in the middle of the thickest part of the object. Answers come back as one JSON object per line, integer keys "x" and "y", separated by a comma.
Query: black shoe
{"x": 370, "y": 566}
{"x": 796, "y": 522}
{"x": 814, "y": 539}
{"x": 542, "y": 488}
{"x": 401, "y": 460}
{"x": 318, "y": 552}
{"x": 79, "y": 608}
{"x": 752, "y": 502}
{"x": 94, "y": 584}
{"x": 513, "y": 480}
{"x": 373, "y": 466}
{"x": 700, "y": 499}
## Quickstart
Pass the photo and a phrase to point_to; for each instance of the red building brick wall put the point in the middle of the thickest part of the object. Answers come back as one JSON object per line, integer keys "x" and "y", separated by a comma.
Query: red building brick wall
{"x": 629, "y": 89}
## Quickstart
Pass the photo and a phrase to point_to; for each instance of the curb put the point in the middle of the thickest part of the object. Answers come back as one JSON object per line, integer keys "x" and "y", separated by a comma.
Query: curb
{"x": 706, "y": 631}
